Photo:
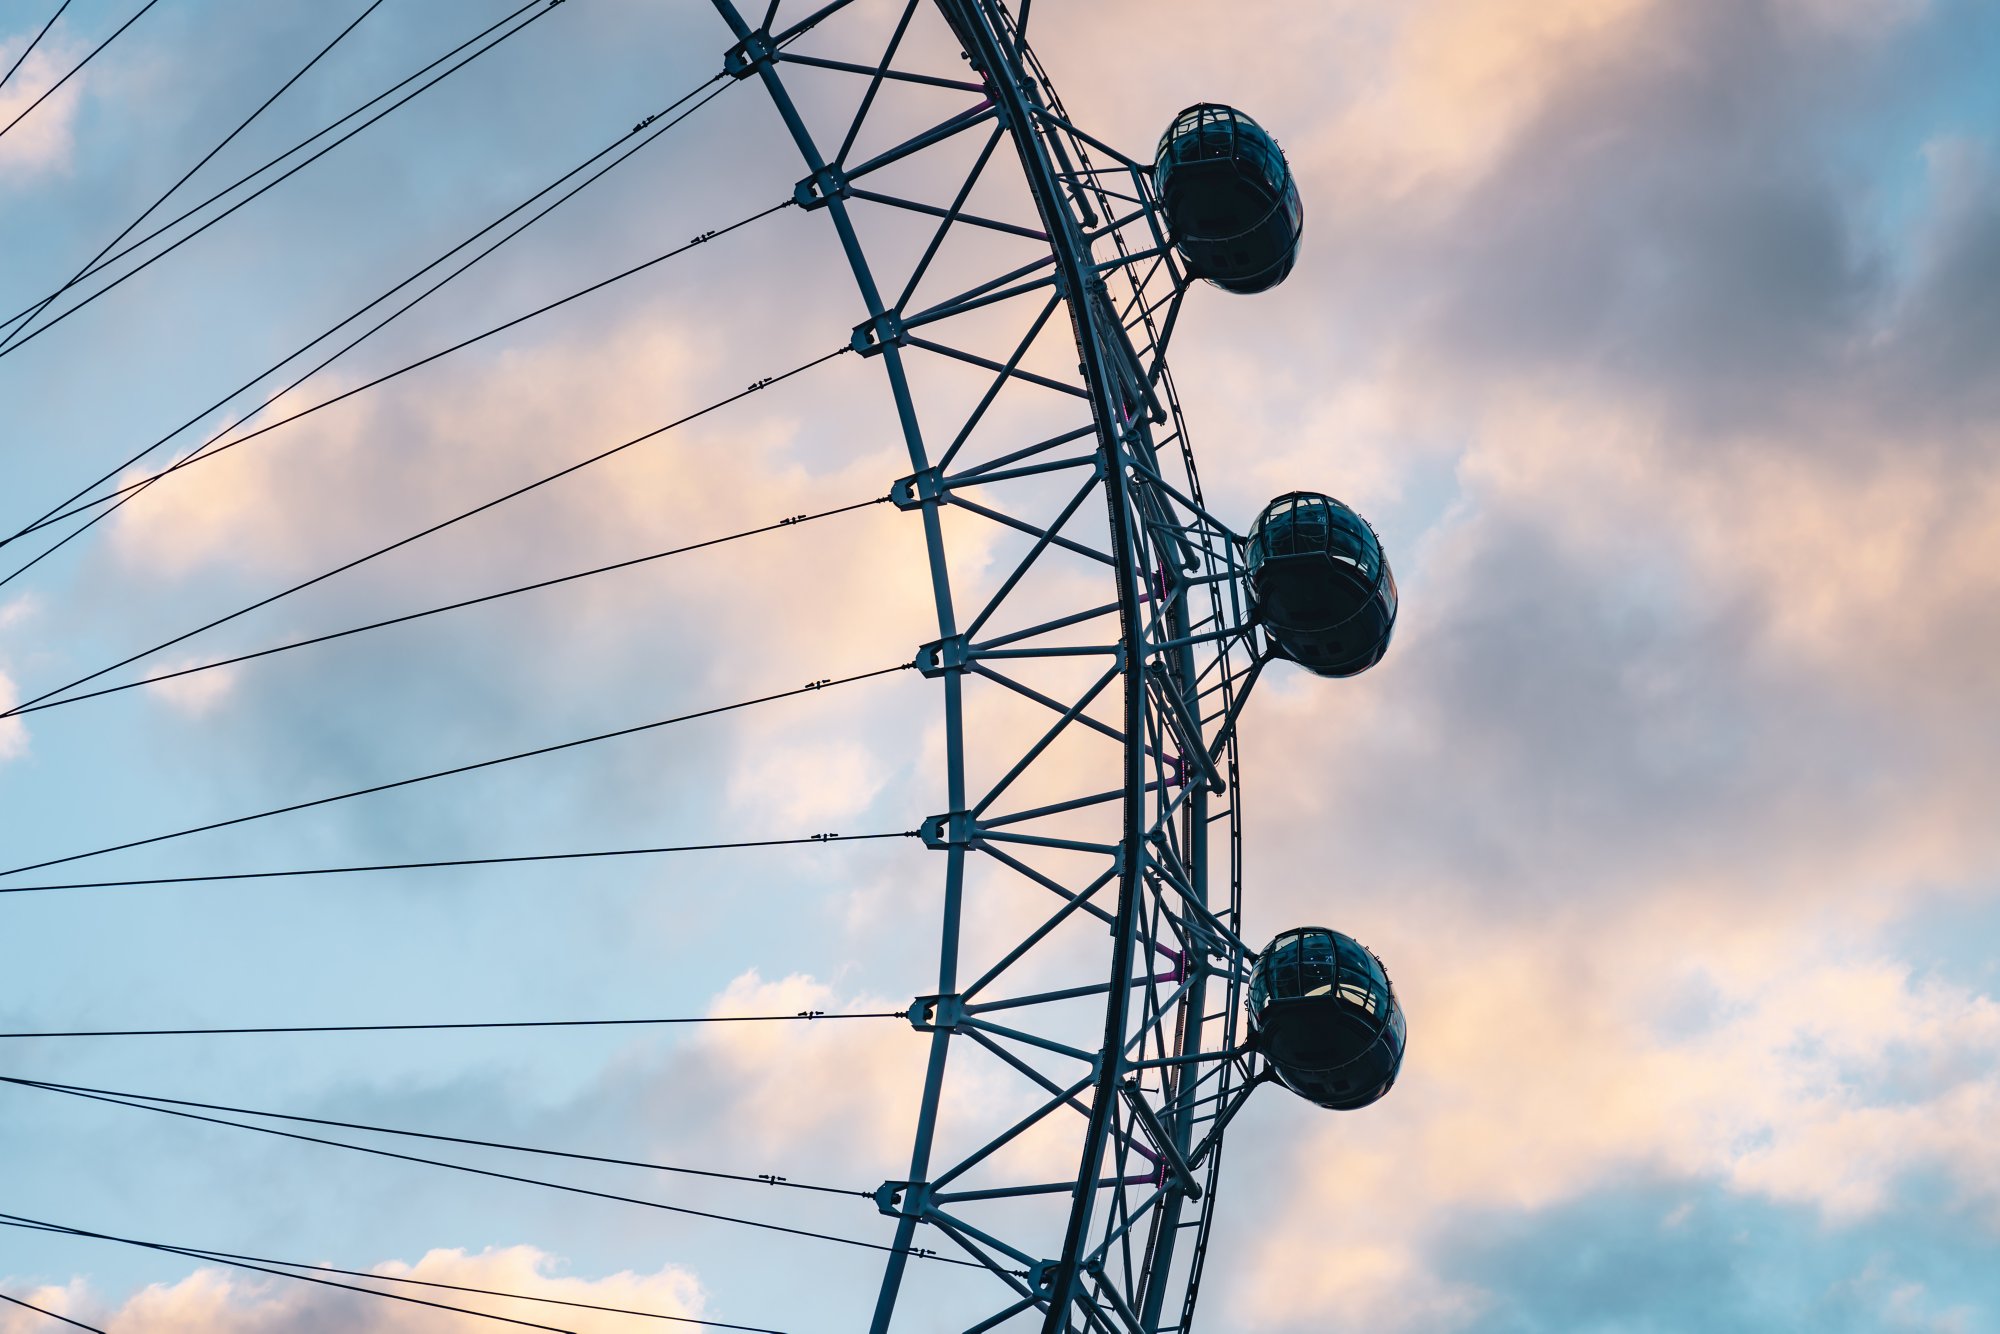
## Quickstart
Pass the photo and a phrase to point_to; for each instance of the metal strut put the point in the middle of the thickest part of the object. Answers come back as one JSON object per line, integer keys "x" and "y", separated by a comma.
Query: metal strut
{"x": 756, "y": 50}
{"x": 974, "y": 24}
{"x": 1157, "y": 1081}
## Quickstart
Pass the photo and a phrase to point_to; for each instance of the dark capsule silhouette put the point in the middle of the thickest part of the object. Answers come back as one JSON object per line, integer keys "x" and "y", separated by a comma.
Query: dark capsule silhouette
{"x": 1322, "y": 586}
{"x": 1229, "y": 198}
{"x": 1323, "y": 1014}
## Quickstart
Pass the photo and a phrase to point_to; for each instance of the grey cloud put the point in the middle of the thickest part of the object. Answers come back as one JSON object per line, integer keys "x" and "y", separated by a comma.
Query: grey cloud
{"x": 1950, "y": 328}
{"x": 1551, "y": 729}
{"x": 1660, "y": 1255}
{"x": 1682, "y": 223}
{"x": 1556, "y": 726}
{"x": 1670, "y": 218}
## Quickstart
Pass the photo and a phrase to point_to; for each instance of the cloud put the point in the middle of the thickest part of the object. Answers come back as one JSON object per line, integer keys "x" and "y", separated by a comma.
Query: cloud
{"x": 1457, "y": 81}
{"x": 1648, "y": 1254}
{"x": 817, "y": 783}
{"x": 1689, "y": 483}
{"x": 43, "y": 141}
{"x": 195, "y": 694}
{"x": 863, "y": 1074}
{"x": 1597, "y": 809}
{"x": 70, "y": 1298}
{"x": 13, "y": 731}
{"x": 14, "y": 613}
{"x": 1871, "y": 19}
{"x": 1539, "y": 1076}
{"x": 733, "y": 1091}
{"x": 1657, "y": 339}
{"x": 221, "y": 1301}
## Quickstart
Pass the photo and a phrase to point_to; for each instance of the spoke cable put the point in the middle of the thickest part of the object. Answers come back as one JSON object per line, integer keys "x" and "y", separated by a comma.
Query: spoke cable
{"x": 15, "y": 343}
{"x": 755, "y": 387}
{"x": 459, "y": 861}
{"x": 205, "y": 454}
{"x": 120, "y": 495}
{"x": 51, "y": 514}
{"x": 826, "y": 683}
{"x": 27, "y": 316}
{"x": 228, "y": 1257}
{"x": 803, "y": 1016}
{"x": 303, "y": 1278}
{"x": 43, "y": 1310}
{"x": 33, "y": 42}
{"x": 754, "y": 1179}
{"x": 124, "y": 1100}
{"x": 77, "y": 68}
{"x": 793, "y": 521}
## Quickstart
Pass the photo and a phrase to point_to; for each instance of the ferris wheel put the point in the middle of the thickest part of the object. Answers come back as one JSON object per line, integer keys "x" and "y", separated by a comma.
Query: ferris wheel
{"x": 1099, "y": 632}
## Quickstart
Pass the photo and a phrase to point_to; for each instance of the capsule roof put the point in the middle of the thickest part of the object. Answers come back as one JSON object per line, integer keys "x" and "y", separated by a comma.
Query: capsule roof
{"x": 1308, "y": 523}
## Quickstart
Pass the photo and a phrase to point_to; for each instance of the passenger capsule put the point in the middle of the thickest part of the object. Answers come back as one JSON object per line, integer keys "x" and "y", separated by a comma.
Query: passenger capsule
{"x": 1229, "y": 197}
{"x": 1323, "y": 1014}
{"x": 1321, "y": 584}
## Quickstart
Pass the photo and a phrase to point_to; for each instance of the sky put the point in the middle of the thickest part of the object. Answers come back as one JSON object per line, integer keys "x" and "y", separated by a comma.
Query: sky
{"x": 1654, "y": 336}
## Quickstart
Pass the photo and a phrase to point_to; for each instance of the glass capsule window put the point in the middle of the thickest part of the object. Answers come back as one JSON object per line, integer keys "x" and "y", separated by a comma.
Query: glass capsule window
{"x": 1204, "y": 131}
{"x": 1314, "y": 962}
{"x": 1307, "y": 524}
{"x": 1360, "y": 995}
{"x": 1318, "y": 966}
{"x": 1210, "y": 133}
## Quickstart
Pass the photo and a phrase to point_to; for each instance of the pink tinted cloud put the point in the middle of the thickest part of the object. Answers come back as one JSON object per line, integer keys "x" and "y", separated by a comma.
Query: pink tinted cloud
{"x": 1539, "y": 1072}
{"x": 1541, "y": 1068}
{"x": 13, "y": 731}
{"x": 44, "y": 139}
{"x": 221, "y": 1301}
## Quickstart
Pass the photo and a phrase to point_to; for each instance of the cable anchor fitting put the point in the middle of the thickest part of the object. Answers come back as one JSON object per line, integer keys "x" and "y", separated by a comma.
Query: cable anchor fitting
{"x": 816, "y": 190}
{"x": 928, "y": 1014}
{"x": 748, "y": 56}
{"x": 940, "y": 656}
{"x": 904, "y": 1199}
{"x": 871, "y": 336}
{"x": 919, "y": 489}
{"x": 954, "y": 830}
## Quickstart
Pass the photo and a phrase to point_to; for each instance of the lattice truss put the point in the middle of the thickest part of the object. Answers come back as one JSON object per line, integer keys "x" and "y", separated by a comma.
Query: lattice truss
{"x": 1094, "y": 647}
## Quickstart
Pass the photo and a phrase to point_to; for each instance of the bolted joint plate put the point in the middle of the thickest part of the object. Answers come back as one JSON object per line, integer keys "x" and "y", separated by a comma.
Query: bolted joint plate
{"x": 871, "y": 336}
{"x": 928, "y": 1014}
{"x": 749, "y": 55}
{"x": 952, "y": 830}
{"x": 918, "y": 489}
{"x": 940, "y": 656}
{"x": 903, "y": 1199}
{"x": 815, "y": 190}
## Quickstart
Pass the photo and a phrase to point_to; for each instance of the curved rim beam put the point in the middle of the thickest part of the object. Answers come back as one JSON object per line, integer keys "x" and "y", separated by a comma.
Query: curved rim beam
{"x": 1171, "y": 657}
{"x": 760, "y": 48}
{"x": 974, "y": 25}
